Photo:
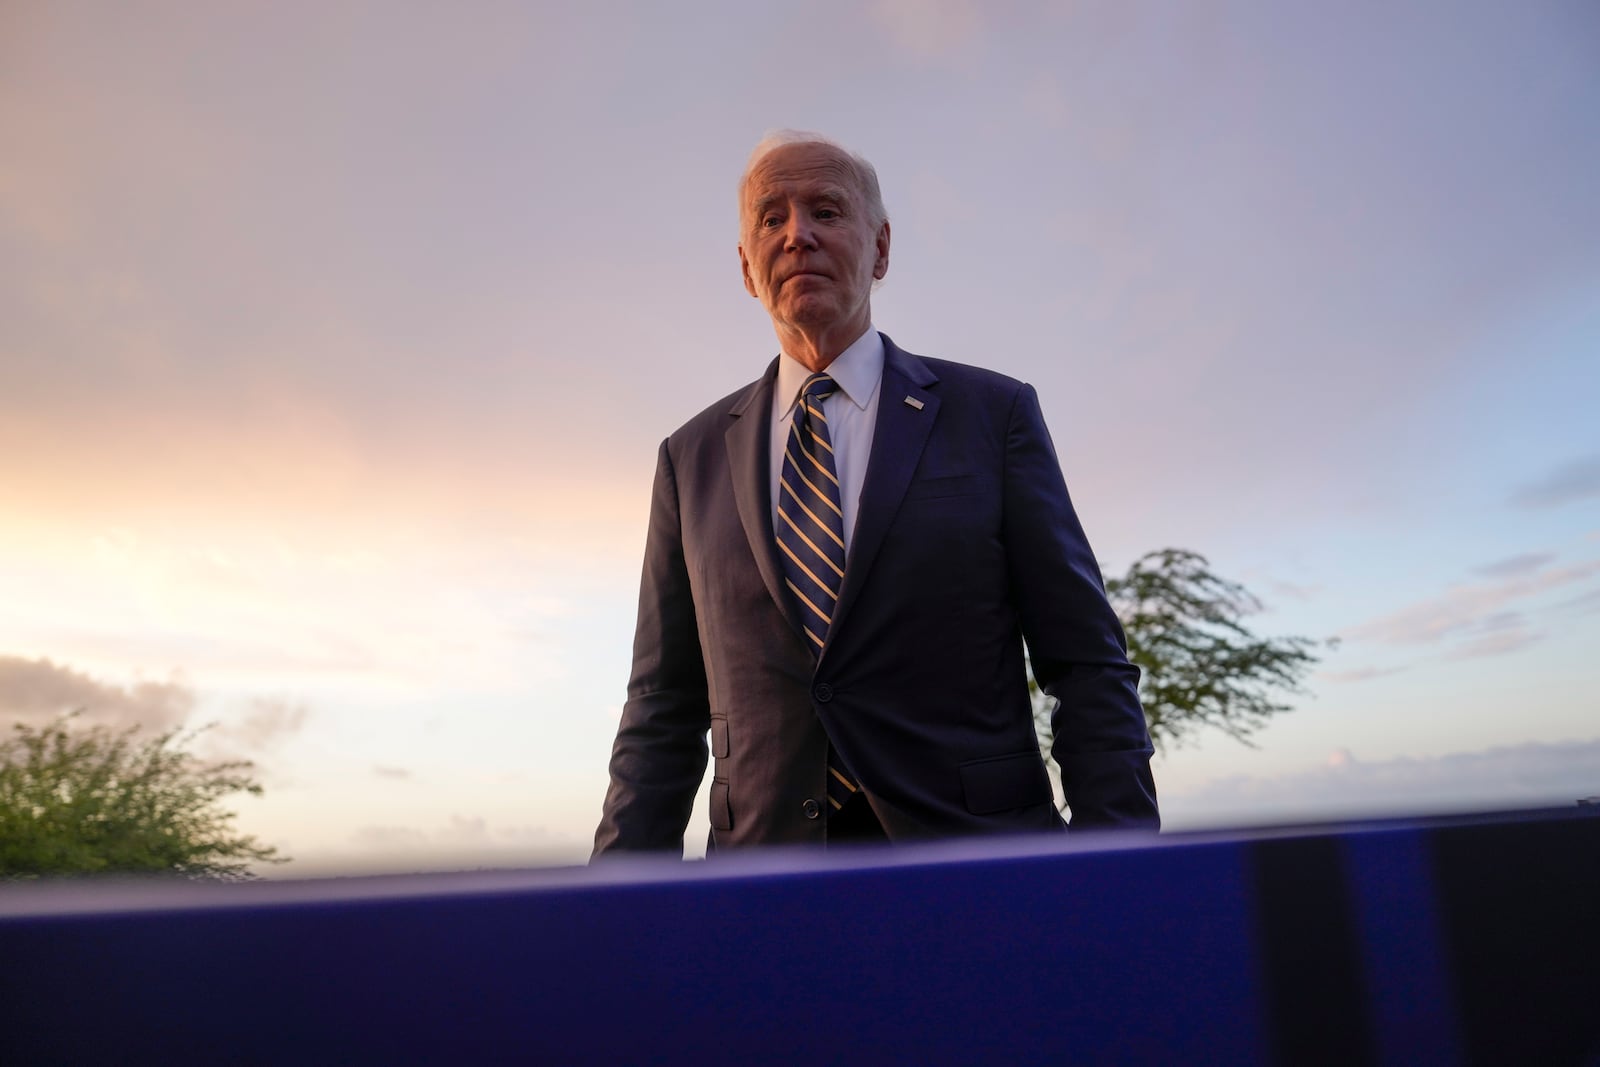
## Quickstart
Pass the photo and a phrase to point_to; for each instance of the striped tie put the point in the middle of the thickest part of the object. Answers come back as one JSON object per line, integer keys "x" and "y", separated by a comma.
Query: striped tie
{"x": 811, "y": 535}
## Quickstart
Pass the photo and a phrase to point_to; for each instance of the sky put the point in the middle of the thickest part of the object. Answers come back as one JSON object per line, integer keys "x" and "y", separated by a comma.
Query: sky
{"x": 337, "y": 339}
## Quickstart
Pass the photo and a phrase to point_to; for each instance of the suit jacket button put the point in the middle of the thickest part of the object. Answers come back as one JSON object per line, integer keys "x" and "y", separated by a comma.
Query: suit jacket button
{"x": 823, "y": 692}
{"x": 811, "y": 808}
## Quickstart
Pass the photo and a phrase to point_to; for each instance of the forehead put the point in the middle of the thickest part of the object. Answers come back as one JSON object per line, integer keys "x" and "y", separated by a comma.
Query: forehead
{"x": 799, "y": 169}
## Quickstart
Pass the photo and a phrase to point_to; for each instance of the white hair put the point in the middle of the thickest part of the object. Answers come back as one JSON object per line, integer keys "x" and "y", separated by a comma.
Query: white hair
{"x": 865, "y": 174}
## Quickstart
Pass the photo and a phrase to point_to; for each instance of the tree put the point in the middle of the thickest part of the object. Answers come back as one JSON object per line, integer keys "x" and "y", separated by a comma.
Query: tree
{"x": 80, "y": 800}
{"x": 1201, "y": 666}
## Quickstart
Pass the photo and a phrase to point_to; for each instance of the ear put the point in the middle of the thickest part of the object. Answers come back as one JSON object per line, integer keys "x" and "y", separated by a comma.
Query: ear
{"x": 744, "y": 269}
{"x": 880, "y": 266}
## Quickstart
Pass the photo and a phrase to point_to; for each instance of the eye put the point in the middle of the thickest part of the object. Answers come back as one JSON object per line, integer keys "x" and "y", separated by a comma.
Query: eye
{"x": 769, "y": 221}
{"x": 827, "y": 213}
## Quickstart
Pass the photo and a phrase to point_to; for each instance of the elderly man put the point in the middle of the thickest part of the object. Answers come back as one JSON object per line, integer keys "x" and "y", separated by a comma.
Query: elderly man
{"x": 844, "y": 558}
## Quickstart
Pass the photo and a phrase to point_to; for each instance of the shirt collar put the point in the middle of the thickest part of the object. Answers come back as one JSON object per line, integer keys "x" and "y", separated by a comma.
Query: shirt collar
{"x": 856, "y": 371}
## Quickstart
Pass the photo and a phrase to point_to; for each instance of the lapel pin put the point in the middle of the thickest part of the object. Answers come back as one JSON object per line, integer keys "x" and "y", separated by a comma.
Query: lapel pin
{"x": 914, "y": 402}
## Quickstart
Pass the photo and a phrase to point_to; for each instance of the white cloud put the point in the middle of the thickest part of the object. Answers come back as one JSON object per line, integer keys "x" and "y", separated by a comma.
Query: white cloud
{"x": 458, "y": 831}
{"x": 1343, "y": 786}
{"x": 461, "y": 842}
{"x": 389, "y": 838}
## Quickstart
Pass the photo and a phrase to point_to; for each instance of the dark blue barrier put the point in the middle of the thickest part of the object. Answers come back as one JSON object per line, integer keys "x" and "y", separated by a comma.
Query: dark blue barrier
{"x": 1463, "y": 941}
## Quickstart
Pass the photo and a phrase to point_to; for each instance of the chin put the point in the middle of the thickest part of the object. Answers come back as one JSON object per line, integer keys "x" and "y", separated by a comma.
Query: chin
{"x": 812, "y": 313}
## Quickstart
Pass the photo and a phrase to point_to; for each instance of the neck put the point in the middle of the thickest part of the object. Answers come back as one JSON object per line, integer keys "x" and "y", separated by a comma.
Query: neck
{"x": 815, "y": 349}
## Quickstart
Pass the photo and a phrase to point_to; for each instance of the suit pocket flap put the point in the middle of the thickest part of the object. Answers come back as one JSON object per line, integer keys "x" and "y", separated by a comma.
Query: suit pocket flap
{"x": 1000, "y": 783}
{"x": 944, "y": 485}
{"x": 721, "y": 813}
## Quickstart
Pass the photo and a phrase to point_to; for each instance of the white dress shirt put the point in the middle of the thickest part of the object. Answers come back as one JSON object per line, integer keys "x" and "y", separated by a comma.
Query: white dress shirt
{"x": 852, "y": 414}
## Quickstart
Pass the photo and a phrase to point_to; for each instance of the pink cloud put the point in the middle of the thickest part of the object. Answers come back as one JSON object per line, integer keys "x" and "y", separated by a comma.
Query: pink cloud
{"x": 39, "y": 690}
{"x": 1467, "y": 610}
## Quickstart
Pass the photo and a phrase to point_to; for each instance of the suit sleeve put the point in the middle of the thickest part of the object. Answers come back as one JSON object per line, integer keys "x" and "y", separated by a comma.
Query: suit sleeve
{"x": 1076, "y": 643}
{"x": 659, "y": 757}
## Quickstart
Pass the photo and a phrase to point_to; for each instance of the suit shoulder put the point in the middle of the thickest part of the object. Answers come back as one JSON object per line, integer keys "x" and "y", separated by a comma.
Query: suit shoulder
{"x": 963, "y": 382}
{"x": 714, "y": 419}
{"x": 965, "y": 374}
{"x": 961, "y": 375}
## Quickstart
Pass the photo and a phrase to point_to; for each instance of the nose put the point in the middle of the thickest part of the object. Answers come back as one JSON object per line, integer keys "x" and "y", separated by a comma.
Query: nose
{"x": 797, "y": 234}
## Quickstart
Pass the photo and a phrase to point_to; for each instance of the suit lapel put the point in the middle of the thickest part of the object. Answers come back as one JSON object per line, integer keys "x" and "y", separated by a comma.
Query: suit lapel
{"x": 898, "y": 439}
{"x": 748, "y": 442}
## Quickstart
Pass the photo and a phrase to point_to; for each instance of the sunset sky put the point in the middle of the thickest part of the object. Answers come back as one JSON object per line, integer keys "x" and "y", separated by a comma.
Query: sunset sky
{"x": 336, "y": 341}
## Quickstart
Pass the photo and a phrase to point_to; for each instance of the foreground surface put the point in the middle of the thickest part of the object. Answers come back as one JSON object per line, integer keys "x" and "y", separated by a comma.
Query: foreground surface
{"x": 1461, "y": 941}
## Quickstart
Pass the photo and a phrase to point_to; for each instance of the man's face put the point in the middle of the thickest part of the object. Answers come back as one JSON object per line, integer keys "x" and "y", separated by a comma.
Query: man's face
{"x": 809, "y": 249}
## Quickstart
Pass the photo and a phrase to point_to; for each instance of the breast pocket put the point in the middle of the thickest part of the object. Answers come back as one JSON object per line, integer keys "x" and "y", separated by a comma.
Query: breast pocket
{"x": 945, "y": 486}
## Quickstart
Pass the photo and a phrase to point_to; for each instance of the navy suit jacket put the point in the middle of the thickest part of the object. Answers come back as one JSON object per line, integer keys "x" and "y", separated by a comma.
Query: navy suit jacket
{"x": 965, "y": 543}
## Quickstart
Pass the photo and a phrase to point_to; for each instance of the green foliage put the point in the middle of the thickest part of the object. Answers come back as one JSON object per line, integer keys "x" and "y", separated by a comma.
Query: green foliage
{"x": 1201, "y": 666}
{"x": 81, "y": 800}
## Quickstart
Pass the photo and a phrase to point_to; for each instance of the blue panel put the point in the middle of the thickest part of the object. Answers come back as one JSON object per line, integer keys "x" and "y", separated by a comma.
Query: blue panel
{"x": 1117, "y": 956}
{"x": 1391, "y": 878}
{"x": 1477, "y": 942}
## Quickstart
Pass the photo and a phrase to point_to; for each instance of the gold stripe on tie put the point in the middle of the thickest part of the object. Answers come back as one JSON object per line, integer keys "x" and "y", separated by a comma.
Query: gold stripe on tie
{"x": 823, "y": 526}
{"x": 821, "y": 491}
{"x": 826, "y": 473}
{"x": 811, "y": 485}
{"x": 807, "y": 601}
{"x": 809, "y": 573}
